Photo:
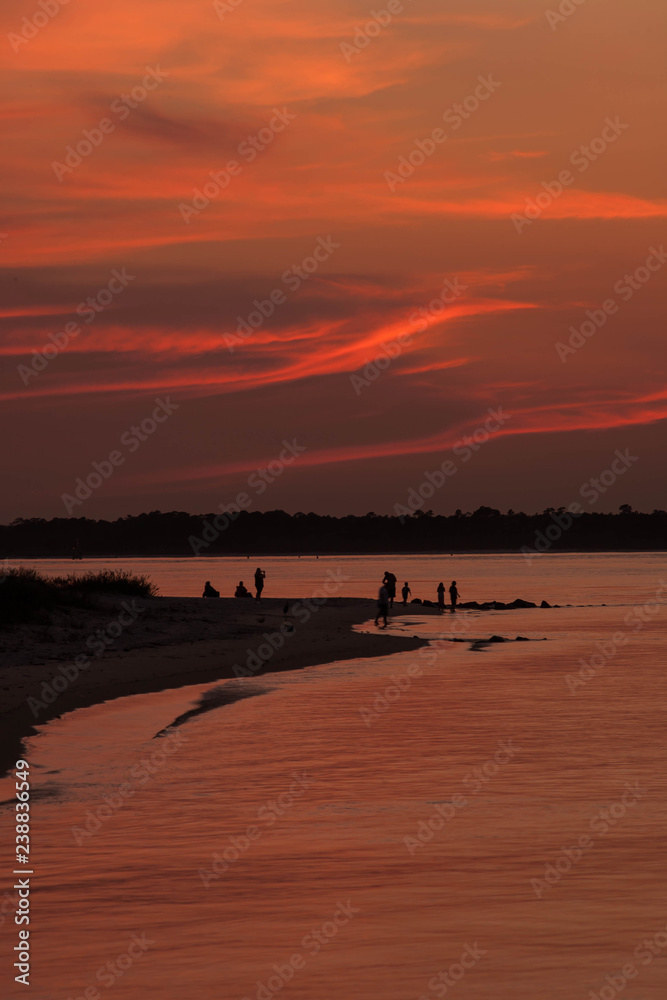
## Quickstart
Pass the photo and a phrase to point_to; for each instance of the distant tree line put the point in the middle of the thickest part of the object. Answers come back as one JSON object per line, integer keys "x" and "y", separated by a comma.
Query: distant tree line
{"x": 275, "y": 532}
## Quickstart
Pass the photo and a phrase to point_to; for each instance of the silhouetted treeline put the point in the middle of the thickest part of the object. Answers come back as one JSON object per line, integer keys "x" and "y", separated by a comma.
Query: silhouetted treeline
{"x": 253, "y": 532}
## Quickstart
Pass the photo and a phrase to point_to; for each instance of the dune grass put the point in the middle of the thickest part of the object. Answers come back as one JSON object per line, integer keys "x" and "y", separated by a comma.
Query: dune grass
{"x": 26, "y": 595}
{"x": 109, "y": 581}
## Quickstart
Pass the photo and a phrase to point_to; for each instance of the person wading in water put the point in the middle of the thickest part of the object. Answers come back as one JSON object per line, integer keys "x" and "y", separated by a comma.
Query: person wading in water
{"x": 453, "y": 595}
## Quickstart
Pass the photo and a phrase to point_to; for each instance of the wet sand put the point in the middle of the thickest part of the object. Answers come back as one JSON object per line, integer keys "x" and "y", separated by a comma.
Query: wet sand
{"x": 168, "y": 643}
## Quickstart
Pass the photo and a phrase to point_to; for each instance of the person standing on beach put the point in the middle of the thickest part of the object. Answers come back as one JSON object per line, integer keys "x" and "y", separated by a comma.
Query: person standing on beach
{"x": 259, "y": 582}
{"x": 453, "y": 595}
{"x": 390, "y": 583}
{"x": 406, "y": 592}
{"x": 441, "y": 596}
{"x": 383, "y": 605}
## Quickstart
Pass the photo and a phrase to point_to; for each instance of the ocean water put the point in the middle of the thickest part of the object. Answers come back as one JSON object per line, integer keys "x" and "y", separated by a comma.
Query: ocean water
{"x": 450, "y": 822}
{"x": 596, "y": 578}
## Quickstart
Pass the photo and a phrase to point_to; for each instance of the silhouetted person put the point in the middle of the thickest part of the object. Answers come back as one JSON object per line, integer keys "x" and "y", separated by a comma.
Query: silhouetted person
{"x": 390, "y": 583}
{"x": 441, "y": 596}
{"x": 242, "y": 591}
{"x": 453, "y": 595}
{"x": 406, "y": 592}
{"x": 383, "y": 605}
{"x": 259, "y": 582}
{"x": 210, "y": 591}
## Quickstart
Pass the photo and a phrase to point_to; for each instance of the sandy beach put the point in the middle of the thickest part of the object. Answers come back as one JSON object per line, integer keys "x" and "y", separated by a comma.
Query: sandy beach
{"x": 140, "y": 645}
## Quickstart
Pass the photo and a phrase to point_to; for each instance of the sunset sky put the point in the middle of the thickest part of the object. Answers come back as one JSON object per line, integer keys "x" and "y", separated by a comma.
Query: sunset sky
{"x": 333, "y": 118}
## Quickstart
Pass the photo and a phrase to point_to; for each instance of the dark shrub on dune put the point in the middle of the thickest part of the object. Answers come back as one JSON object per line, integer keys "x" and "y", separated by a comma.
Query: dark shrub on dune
{"x": 27, "y": 596}
{"x": 24, "y": 594}
{"x": 108, "y": 581}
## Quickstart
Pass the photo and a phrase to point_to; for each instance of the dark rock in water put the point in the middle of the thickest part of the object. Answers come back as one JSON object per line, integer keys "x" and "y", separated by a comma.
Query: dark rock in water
{"x": 521, "y": 638}
{"x": 416, "y": 600}
{"x": 497, "y": 638}
{"x": 428, "y": 604}
{"x": 487, "y": 606}
{"x": 521, "y": 604}
{"x": 544, "y": 604}
{"x": 498, "y": 606}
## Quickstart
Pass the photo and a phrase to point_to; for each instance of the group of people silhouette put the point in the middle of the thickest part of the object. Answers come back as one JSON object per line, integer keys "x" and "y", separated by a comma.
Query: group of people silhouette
{"x": 387, "y": 595}
{"x": 241, "y": 589}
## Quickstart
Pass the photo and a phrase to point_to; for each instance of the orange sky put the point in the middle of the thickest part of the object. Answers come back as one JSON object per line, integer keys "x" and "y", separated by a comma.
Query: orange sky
{"x": 164, "y": 94}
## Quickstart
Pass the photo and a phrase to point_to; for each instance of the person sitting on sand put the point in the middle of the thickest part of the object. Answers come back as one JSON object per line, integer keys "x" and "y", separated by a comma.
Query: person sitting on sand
{"x": 210, "y": 591}
{"x": 242, "y": 591}
{"x": 453, "y": 595}
{"x": 406, "y": 592}
{"x": 259, "y": 582}
{"x": 441, "y": 596}
{"x": 383, "y": 605}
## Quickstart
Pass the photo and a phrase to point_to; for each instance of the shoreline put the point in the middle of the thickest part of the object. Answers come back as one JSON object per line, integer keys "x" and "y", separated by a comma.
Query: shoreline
{"x": 156, "y": 651}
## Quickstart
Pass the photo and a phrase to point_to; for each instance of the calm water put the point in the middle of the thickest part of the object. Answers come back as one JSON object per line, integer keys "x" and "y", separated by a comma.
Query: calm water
{"x": 559, "y": 579}
{"x": 327, "y": 854}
